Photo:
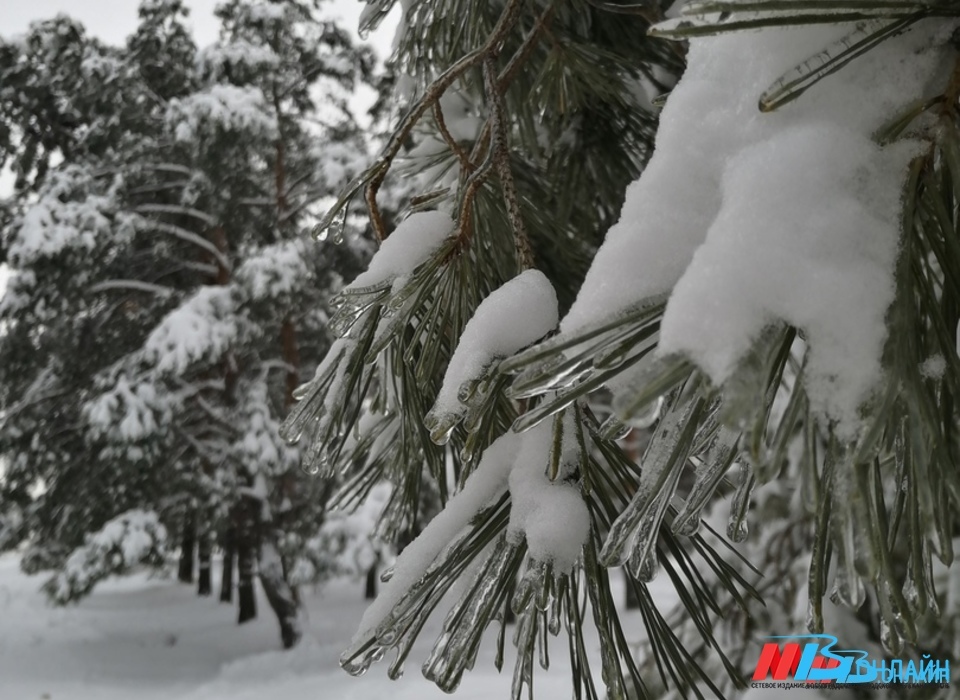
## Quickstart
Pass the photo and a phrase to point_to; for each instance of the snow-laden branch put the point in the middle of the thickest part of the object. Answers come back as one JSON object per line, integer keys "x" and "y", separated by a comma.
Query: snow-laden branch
{"x": 176, "y": 209}
{"x": 135, "y": 285}
{"x": 188, "y": 236}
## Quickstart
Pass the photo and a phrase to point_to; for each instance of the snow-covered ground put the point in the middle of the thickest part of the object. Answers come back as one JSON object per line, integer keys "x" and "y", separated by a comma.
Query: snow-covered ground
{"x": 142, "y": 638}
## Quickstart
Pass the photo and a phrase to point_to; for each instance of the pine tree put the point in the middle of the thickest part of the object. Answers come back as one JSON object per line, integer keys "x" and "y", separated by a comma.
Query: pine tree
{"x": 163, "y": 303}
{"x": 776, "y": 299}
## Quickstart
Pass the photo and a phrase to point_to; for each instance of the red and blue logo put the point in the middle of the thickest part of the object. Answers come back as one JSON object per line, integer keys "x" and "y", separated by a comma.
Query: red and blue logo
{"x": 814, "y": 658}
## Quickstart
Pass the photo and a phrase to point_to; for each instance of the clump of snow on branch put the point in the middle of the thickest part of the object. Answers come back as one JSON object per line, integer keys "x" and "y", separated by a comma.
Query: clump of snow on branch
{"x": 203, "y": 326}
{"x": 266, "y": 11}
{"x": 227, "y": 107}
{"x": 752, "y": 218}
{"x": 410, "y": 244}
{"x": 253, "y": 57}
{"x": 129, "y": 411}
{"x": 274, "y": 271}
{"x": 550, "y": 515}
{"x": 68, "y": 214}
{"x": 131, "y": 539}
{"x": 260, "y": 449}
{"x": 512, "y": 317}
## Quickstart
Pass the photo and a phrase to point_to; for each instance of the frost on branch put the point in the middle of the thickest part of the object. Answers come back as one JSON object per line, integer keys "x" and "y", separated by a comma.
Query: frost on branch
{"x": 131, "y": 539}
{"x": 752, "y": 218}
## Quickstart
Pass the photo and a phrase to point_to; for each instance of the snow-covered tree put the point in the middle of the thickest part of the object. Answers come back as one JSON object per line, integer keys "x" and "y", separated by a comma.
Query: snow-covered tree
{"x": 163, "y": 302}
{"x": 776, "y": 294}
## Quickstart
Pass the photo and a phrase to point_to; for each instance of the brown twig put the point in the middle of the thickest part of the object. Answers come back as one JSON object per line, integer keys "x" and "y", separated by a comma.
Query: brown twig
{"x": 452, "y": 144}
{"x": 470, "y": 189}
{"x": 501, "y": 158}
{"x": 379, "y": 171}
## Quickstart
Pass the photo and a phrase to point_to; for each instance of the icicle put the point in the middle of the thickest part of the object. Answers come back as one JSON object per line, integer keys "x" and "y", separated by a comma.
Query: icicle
{"x": 647, "y": 416}
{"x": 463, "y": 628}
{"x": 524, "y": 640}
{"x": 737, "y": 529}
{"x": 609, "y": 660}
{"x": 360, "y": 662}
{"x": 441, "y": 426}
{"x": 653, "y": 377}
{"x": 708, "y": 476}
{"x": 613, "y": 429}
{"x": 819, "y": 554}
{"x": 848, "y": 587}
{"x": 663, "y": 462}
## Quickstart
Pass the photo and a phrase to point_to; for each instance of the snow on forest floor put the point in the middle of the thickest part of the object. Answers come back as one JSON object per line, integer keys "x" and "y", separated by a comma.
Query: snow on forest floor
{"x": 143, "y": 638}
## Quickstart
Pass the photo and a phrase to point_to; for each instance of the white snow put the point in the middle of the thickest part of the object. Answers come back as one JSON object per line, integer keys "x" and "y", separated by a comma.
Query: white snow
{"x": 933, "y": 367}
{"x": 274, "y": 270}
{"x": 751, "y": 217}
{"x": 155, "y": 639}
{"x": 228, "y": 107}
{"x": 550, "y": 515}
{"x": 482, "y": 487}
{"x": 238, "y": 52}
{"x": 128, "y": 411}
{"x": 512, "y": 317}
{"x": 68, "y": 214}
{"x": 203, "y": 326}
{"x": 410, "y": 244}
{"x": 118, "y": 546}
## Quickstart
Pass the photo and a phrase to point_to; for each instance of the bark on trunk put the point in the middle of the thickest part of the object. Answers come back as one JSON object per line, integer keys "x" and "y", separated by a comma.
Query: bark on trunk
{"x": 246, "y": 559}
{"x": 187, "y": 546}
{"x": 370, "y": 589}
{"x": 204, "y": 584}
{"x": 280, "y": 594}
{"x": 246, "y": 595}
{"x": 226, "y": 580}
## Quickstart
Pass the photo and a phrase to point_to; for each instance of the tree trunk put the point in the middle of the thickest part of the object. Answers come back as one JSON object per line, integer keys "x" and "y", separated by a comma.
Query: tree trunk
{"x": 187, "y": 546}
{"x": 246, "y": 560}
{"x": 226, "y": 580}
{"x": 370, "y": 590}
{"x": 247, "y": 596}
{"x": 204, "y": 585}
{"x": 280, "y": 594}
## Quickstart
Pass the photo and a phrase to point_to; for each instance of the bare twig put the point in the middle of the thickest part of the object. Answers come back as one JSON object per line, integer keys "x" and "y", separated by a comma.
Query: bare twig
{"x": 436, "y": 89}
{"x": 501, "y": 158}
{"x": 452, "y": 144}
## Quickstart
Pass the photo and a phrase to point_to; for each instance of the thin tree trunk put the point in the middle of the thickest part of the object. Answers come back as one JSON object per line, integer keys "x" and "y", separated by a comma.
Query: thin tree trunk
{"x": 246, "y": 595}
{"x": 246, "y": 560}
{"x": 370, "y": 589}
{"x": 204, "y": 584}
{"x": 187, "y": 546}
{"x": 229, "y": 558}
{"x": 280, "y": 594}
